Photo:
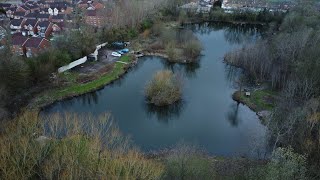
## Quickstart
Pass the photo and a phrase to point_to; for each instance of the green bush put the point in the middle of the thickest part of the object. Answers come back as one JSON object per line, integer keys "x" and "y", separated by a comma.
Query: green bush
{"x": 284, "y": 165}
{"x": 192, "y": 49}
{"x": 146, "y": 24}
{"x": 185, "y": 162}
{"x": 171, "y": 51}
{"x": 165, "y": 88}
{"x": 70, "y": 147}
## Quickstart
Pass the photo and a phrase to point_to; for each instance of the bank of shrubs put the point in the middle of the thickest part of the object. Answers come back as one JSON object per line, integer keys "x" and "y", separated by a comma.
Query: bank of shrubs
{"x": 164, "y": 88}
{"x": 70, "y": 147}
{"x": 288, "y": 58}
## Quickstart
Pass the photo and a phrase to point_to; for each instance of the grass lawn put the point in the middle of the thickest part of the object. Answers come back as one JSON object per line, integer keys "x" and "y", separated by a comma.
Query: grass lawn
{"x": 259, "y": 99}
{"x": 125, "y": 58}
{"x": 77, "y": 88}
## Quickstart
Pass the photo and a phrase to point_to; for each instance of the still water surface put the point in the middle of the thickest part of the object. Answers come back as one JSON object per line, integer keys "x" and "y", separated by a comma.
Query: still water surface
{"x": 207, "y": 116}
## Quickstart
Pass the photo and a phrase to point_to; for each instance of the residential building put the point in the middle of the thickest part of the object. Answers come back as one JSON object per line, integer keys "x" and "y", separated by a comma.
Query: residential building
{"x": 31, "y": 16}
{"x": 19, "y": 15}
{"x": 10, "y": 11}
{"x": 34, "y": 45}
{"x": 18, "y": 40}
{"x": 30, "y": 26}
{"x": 16, "y": 25}
{"x": 57, "y": 18}
{"x": 45, "y": 28}
{"x": 92, "y": 18}
{"x": 44, "y": 17}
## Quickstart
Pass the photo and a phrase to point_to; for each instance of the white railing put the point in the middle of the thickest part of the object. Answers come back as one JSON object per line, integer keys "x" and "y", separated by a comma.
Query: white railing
{"x": 81, "y": 60}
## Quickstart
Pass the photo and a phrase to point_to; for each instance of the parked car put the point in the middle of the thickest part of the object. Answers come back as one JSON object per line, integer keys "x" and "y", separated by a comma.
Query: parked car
{"x": 124, "y": 50}
{"x": 119, "y": 45}
{"x": 115, "y": 54}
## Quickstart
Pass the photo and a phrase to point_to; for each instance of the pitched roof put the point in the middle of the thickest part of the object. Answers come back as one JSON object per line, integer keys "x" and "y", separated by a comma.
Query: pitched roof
{"x": 12, "y": 9}
{"x": 43, "y": 16}
{"x": 34, "y": 42}
{"x": 59, "y": 5}
{"x": 18, "y": 13}
{"x": 91, "y": 13}
{"x": 31, "y": 5}
{"x": 24, "y": 7}
{"x": 59, "y": 16}
{"x": 5, "y": 5}
{"x": 44, "y": 24}
{"x": 18, "y": 39}
{"x": 31, "y": 15}
{"x": 31, "y": 22}
{"x": 16, "y": 22}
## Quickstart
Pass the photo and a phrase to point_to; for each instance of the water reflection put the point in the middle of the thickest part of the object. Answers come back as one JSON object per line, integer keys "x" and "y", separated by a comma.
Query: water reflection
{"x": 234, "y": 34}
{"x": 232, "y": 74}
{"x": 165, "y": 113}
{"x": 189, "y": 70}
{"x": 232, "y": 115}
{"x": 90, "y": 98}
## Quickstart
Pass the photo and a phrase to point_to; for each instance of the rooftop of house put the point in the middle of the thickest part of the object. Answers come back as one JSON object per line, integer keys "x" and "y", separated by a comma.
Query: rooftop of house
{"x": 59, "y": 16}
{"x": 43, "y": 16}
{"x": 44, "y": 24}
{"x": 5, "y": 5}
{"x": 18, "y": 13}
{"x": 91, "y": 13}
{"x": 31, "y": 22}
{"x": 25, "y": 7}
{"x": 18, "y": 39}
{"x": 59, "y": 5}
{"x": 11, "y": 9}
{"x": 31, "y": 15}
{"x": 34, "y": 42}
{"x": 16, "y": 22}
{"x": 31, "y": 5}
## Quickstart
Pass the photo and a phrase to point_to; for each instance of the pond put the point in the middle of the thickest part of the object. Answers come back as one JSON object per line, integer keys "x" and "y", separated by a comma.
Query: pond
{"x": 207, "y": 115}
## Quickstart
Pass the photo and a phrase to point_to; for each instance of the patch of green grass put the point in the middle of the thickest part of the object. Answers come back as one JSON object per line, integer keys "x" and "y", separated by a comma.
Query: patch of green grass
{"x": 259, "y": 99}
{"x": 125, "y": 58}
{"x": 69, "y": 76}
{"x": 77, "y": 88}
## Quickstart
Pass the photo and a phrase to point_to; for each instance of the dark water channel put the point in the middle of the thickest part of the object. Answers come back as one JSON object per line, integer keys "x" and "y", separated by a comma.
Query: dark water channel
{"x": 207, "y": 116}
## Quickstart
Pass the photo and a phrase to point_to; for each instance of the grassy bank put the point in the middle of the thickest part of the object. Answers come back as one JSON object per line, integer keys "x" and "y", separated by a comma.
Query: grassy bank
{"x": 74, "y": 88}
{"x": 259, "y": 100}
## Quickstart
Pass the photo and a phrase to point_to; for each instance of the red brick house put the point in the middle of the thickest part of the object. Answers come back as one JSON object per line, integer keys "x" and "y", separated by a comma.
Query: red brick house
{"x": 93, "y": 19}
{"x": 17, "y": 43}
{"x": 23, "y": 8}
{"x": 44, "y": 17}
{"x": 16, "y": 24}
{"x": 30, "y": 26}
{"x": 34, "y": 45}
{"x": 18, "y": 14}
{"x": 97, "y": 5}
{"x": 45, "y": 28}
{"x": 31, "y": 16}
{"x": 58, "y": 18}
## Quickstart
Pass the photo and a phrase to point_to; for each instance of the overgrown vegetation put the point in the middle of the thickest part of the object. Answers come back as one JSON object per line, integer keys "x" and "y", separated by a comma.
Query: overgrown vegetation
{"x": 288, "y": 58}
{"x": 70, "y": 147}
{"x": 179, "y": 45}
{"x": 73, "y": 146}
{"x": 165, "y": 88}
{"x": 258, "y": 100}
{"x": 188, "y": 162}
{"x": 218, "y": 14}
